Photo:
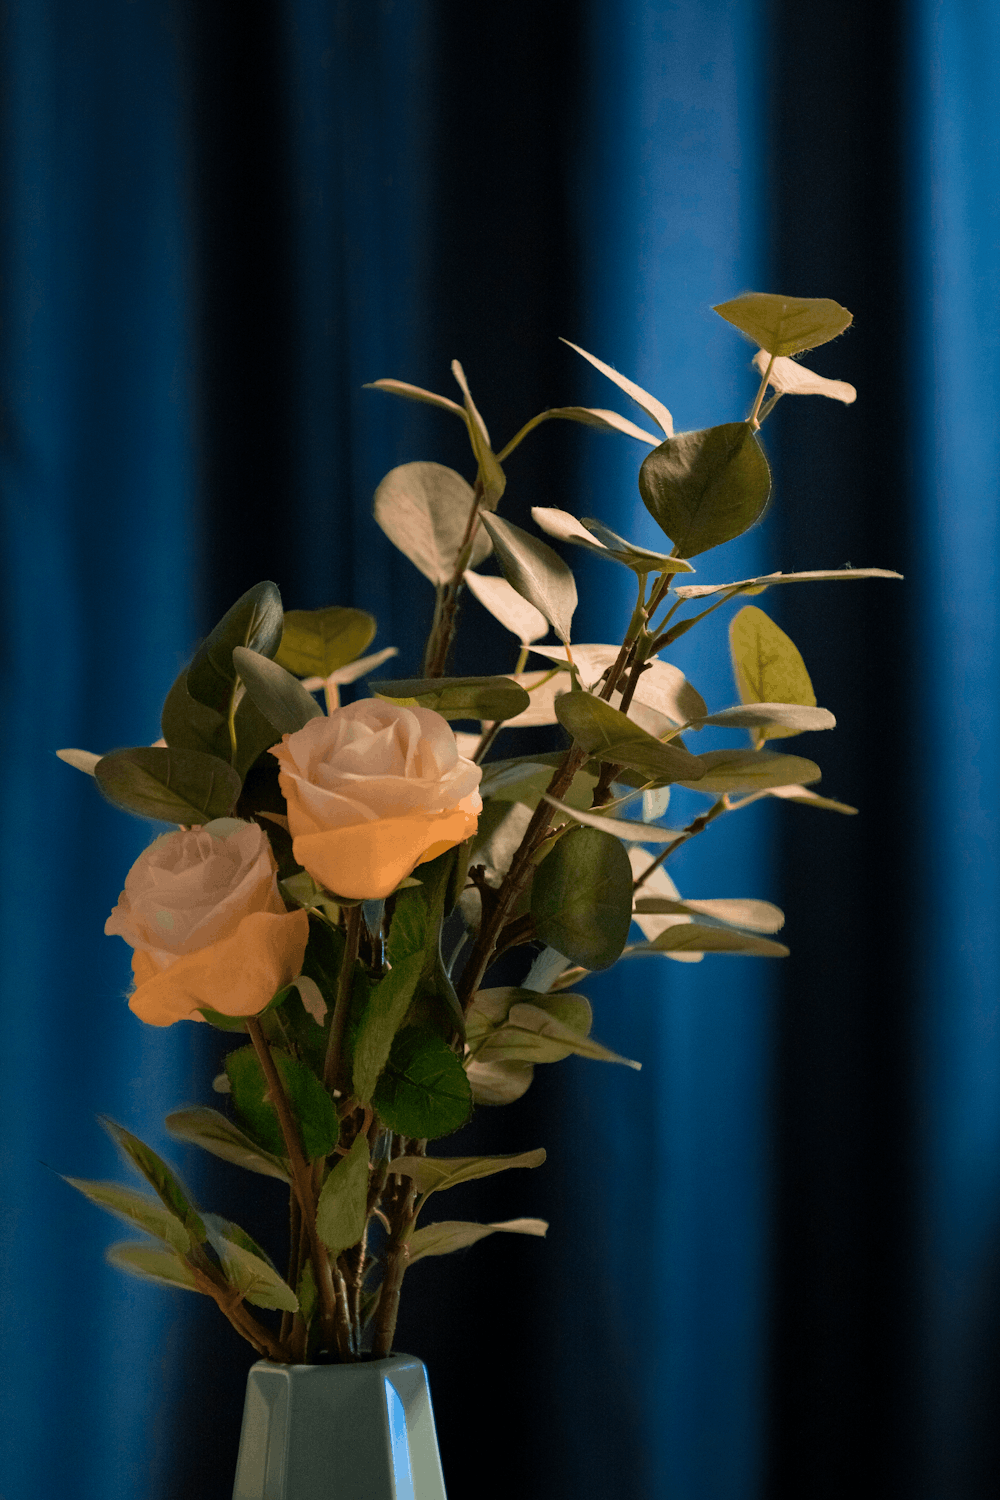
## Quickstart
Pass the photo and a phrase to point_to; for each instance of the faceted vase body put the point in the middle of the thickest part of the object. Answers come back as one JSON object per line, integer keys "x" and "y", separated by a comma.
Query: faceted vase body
{"x": 339, "y": 1432}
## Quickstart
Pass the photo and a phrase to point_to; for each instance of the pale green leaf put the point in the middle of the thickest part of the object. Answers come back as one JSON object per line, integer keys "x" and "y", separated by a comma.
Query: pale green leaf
{"x": 535, "y": 572}
{"x": 490, "y": 473}
{"x": 810, "y": 799}
{"x": 152, "y": 1265}
{"x": 433, "y": 1173}
{"x": 767, "y": 580}
{"x": 148, "y": 1213}
{"x": 424, "y": 510}
{"x": 792, "y": 379}
{"x": 647, "y": 403}
{"x": 694, "y": 938}
{"x": 506, "y": 605}
{"x": 785, "y": 325}
{"x": 789, "y": 718}
{"x": 598, "y": 538}
{"x": 755, "y": 916}
{"x": 213, "y": 1132}
{"x": 416, "y": 393}
{"x": 751, "y": 771}
{"x": 621, "y": 828}
{"x": 442, "y": 1238}
{"x": 83, "y": 760}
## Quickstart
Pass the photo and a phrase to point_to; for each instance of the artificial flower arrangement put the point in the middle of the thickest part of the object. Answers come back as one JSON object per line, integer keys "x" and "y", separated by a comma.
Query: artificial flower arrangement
{"x": 342, "y": 881}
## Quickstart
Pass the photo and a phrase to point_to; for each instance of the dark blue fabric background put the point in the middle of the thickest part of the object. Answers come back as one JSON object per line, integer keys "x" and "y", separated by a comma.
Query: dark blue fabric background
{"x": 772, "y": 1267}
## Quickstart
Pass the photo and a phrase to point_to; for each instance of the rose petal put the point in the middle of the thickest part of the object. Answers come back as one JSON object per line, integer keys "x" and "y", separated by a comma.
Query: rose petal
{"x": 237, "y": 976}
{"x": 367, "y": 861}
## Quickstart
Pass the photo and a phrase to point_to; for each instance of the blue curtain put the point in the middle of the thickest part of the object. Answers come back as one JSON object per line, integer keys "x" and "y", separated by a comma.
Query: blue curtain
{"x": 772, "y": 1268}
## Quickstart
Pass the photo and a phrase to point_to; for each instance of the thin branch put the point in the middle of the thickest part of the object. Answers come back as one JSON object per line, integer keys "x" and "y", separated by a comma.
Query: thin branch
{"x": 335, "y": 1042}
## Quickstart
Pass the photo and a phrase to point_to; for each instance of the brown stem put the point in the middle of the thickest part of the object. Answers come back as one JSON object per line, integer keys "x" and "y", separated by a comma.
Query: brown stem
{"x": 301, "y": 1177}
{"x": 294, "y": 1264}
{"x": 436, "y": 655}
{"x": 231, "y": 1304}
{"x": 344, "y": 1328}
{"x": 396, "y": 1258}
{"x": 335, "y": 1042}
{"x": 516, "y": 878}
{"x": 696, "y": 826}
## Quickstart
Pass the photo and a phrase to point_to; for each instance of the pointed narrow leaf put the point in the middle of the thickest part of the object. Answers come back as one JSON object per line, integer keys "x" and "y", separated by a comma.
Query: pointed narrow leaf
{"x": 611, "y": 736}
{"x": 433, "y": 1173}
{"x": 159, "y": 1176}
{"x": 620, "y": 828}
{"x": 456, "y": 697}
{"x": 789, "y": 718}
{"x": 768, "y": 667}
{"x": 758, "y": 585}
{"x": 811, "y": 799}
{"x": 705, "y": 488}
{"x": 649, "y": 404}
{"x": 692, "y": 938}
{"x": 148, "y": 1213}
{"x": 536, "y": 572}
{"x": 531, "y": 1034}
{"x": 424, "y": 510}
{"x": 278, "y": 695}
{"x": 751, "y": 771}
{"x": 152, "y": 1264}
{"x": 341, "y": 1211}
{"x": 598, "y": 538}
{"x": 86, "y": 760}
{"x": 793, "y": 379}
{"x": 581, "y": 898}
{"x": 756, "y": 916}
{"x": 590, "y": 416}
{"x": 213, "y": 1132}
{"x": 453, "y": 1234}
{"x": 490, "y": 473}
{"x": 416, "y": 393}
{"x": 506, "y": 605}
{"x": 785, "y": 325}
{"x": 174, "y": 786}
{"x": 255, "y": 622}
{"x": 256, "y": 1281}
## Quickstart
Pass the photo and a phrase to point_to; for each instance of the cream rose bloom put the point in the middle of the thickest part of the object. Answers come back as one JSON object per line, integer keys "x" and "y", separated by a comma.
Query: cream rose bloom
{"x": 372, "y": 791}
{"x": 202, "y": 910}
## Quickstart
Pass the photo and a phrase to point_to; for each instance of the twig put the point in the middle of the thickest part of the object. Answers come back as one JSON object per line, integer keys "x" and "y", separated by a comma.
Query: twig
{"x": 331, "y": 1067}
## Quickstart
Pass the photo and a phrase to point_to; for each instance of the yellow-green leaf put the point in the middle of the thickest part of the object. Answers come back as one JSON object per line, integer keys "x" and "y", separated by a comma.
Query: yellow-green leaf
{"x": 453, "y": 1234}
{"x": 786, "y": 325}
{"x": 768, "y": 667}
{"x": 315, "y": 642}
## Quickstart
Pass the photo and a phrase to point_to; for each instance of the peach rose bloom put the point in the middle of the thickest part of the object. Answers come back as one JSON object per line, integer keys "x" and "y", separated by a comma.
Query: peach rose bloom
{"x": 203, "y": 912}
{"x": 372, "y": 791}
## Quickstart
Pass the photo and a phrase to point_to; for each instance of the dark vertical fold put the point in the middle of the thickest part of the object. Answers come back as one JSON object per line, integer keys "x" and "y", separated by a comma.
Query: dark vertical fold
{"x": 844, "y": 1232}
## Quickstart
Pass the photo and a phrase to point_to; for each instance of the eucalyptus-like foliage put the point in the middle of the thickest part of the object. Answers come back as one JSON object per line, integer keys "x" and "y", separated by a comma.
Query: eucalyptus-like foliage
{"x": 395, "y": 1030}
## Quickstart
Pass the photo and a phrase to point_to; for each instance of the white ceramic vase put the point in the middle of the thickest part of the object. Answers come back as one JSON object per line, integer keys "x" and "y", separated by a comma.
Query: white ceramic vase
{"x": 339, "y": 1432}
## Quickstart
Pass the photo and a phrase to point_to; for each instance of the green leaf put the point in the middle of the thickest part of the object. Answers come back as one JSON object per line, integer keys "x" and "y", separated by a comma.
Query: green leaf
{"x": 254, "y": 734}
{"x": 416, "y": 928}
{"x": 690, "y": 937}
{"x": 416, "y": 393}
{"x": 491, "y": 1008}
{"x": 387, "y": 1006}
{"x": 757, "y": 916}
{"x": 647, "y": 403}
{"x": 785, "y": 325}
{"x": 424, "y": 510}
{"x": 525, "y": 777}
{"x": 148, "y": 1213}
{"x": 433, "y": 1173}
{"x": 253, "y": 1277}
{"x": 506, "y": 605}
{"x": 778, "y": 717}
{"x": 341, "y": 1211}
{"x": 213, "y": 1132}
{"x": 174, "y": 786}
{"x": 751, "y": 771}
{"x": 491, "y": 476}
{"x": 255, "y": 621}
{"x": 581, "y": 898}
{"x": 758, "y": 585}
{"x": 535, "y": 572}
{"x": 532, "y": 1034}
{"x": 160, "y": 1177}
{"x": 457, "y": 697}
{"x": 278, "y": 695}
{"x": 315, "y": 642}
{"x": 310, "y": 1103}
{"x": 810, "y": 799}
{"x": 611, "y": 736}
{"x": 768, "y": 667}
{"x": 590, "y": 416}
{"x": 705, "y": 488}
{"x": 620, "y": 828}
{"x": 423, "y": 1090}
{"x": 189, "y": 725}
{"x": 152, "y": 1265}
{"x": 308, "y": 1293}
{"x": 454, "y": 1234}
{"x": 606, "y": 543}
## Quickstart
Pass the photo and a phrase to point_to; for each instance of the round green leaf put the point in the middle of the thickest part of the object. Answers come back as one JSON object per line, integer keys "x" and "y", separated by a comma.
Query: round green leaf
{"x": 581, "y": 898}
{"x": 315, "y": 642}
{"x": 705, "y": 488}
